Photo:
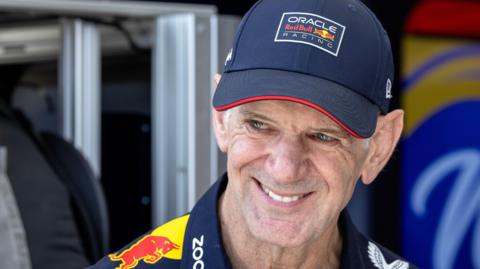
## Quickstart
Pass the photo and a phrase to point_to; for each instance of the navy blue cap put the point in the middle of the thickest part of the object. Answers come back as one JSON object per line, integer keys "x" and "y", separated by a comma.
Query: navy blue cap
{"x": 332, "y": 55}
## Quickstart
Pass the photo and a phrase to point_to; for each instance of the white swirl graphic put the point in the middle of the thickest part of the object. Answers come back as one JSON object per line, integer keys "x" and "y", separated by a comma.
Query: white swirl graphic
{"x": 462, "y": 206}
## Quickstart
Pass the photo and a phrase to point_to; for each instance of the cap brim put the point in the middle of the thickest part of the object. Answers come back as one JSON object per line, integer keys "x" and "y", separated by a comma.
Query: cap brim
{"x": 353, "y": 112}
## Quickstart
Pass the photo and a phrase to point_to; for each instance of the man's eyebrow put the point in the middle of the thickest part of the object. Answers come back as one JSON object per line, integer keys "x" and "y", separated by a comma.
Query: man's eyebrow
{"x": 333, "y": 130}
{"x": 247, "y": 113}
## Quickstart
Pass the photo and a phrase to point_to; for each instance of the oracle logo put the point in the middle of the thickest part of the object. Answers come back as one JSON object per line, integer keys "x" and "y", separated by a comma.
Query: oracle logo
{"x": 317, "y": 23}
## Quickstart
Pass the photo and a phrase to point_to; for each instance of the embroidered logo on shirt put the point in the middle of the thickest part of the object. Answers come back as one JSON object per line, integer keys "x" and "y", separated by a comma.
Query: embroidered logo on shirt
{"x": 197, "y": 252}
{"x": 149, "y": 249}
{"x": 164, "y": 242}
{"x": 378, "y": 260}
{"x": 311, "y": 29}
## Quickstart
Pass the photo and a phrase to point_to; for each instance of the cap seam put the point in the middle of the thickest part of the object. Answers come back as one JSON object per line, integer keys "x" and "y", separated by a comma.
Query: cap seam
{"x": 242, "y": 27}
{"x": 380, "y": 66}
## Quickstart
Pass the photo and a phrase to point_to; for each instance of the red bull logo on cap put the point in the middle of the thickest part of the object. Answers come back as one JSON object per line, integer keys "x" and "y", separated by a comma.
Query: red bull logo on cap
{"x": 310, "y": 29}
{"x": 324, "y": 34}
{"x": 164, "y": 242}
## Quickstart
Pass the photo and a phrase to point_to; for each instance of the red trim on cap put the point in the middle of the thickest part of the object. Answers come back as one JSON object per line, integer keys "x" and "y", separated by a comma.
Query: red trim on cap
{"x": 288, "y": 98}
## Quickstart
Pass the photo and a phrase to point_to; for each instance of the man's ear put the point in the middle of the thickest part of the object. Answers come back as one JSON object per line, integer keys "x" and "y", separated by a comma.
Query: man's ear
{"x": 220, "y": 129}
{"x": 218, "y": 121}
{"x": 382, "y": 144}
{"x": 216, "y": 80}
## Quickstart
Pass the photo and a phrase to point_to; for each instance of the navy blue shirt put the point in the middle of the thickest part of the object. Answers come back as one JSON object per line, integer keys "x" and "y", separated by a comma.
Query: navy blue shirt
{"x": 194, "y": 241}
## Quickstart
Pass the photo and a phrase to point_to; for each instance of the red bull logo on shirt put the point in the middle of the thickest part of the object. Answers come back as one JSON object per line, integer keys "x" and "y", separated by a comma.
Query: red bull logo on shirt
{"x": 164, "y": 242}
{"x": 149, "y": 249}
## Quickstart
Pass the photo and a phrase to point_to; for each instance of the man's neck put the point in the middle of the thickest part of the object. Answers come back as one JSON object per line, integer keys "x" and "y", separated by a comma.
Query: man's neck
{"x": 246, "y": 252}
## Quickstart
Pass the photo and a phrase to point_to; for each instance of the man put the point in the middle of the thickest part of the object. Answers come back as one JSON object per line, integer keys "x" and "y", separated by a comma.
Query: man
{"x": 302, "y": 113}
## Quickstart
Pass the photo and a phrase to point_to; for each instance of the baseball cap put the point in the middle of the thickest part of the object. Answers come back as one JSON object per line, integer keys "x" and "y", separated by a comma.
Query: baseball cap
{"x": 332, "y": 55}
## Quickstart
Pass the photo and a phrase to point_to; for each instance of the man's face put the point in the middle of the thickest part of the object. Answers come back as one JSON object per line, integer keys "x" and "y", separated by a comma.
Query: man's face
{"x": 291, "y": 170}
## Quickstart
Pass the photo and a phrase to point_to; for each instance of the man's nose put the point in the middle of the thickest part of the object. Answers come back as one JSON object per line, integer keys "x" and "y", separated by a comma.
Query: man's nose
{"x": 288, "y": 160}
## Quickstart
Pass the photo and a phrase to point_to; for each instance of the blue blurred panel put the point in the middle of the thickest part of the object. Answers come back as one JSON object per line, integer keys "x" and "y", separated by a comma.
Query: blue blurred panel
{"x": 442, "y": 189}
{"x": 441, "y": 153}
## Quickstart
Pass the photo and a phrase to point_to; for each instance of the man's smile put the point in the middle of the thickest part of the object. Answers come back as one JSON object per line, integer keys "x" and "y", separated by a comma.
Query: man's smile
{"x": 283, "y": 198}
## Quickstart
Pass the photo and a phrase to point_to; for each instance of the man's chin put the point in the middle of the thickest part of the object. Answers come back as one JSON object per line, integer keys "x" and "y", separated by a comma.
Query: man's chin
{"x": 278, "y": 233}
{"x": 283, "y": 240}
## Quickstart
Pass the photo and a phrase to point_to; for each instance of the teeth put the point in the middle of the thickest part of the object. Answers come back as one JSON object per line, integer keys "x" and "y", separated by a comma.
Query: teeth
{"x": 279, "y": 198}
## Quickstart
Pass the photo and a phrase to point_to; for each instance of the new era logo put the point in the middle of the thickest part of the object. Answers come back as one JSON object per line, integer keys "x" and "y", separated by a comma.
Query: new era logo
{"x": 311, "y": 29}
{"x": 388, "y": 89}
{"x": 229, "y": 57}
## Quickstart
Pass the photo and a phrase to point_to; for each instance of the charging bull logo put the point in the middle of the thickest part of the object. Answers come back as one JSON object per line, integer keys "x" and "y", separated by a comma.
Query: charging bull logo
{"x": 325, "y": 34}
{"x": 149, "y": 249}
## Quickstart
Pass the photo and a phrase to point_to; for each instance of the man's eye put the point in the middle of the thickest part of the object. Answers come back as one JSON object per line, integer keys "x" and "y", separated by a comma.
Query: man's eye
{"x": 323, "y": 137}
{"x": 256, "y": 124}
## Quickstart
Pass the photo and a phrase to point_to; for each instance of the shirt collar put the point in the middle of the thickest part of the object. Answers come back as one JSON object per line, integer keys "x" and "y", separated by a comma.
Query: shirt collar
{"x": 203, "y": 238}
{"x": 352, "y": 251}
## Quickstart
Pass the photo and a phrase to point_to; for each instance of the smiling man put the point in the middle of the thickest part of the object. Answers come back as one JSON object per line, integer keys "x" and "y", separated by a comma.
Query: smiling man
{"x": 302, "y": 113}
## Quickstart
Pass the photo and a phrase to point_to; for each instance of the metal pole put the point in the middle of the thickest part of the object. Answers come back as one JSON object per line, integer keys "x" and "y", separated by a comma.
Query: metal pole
{"x": 182, "y": 72}
{"x": 79, "y": 88}
{"x": 65, "y": 80}
{"x": 93, "y": 8}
